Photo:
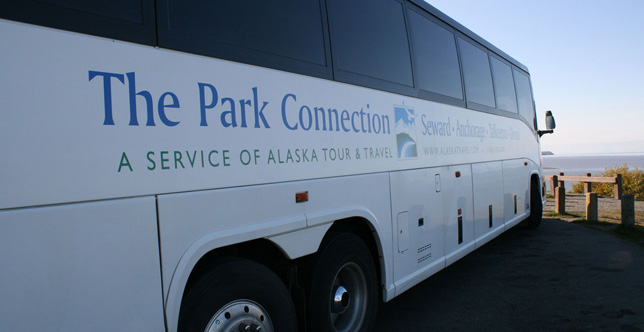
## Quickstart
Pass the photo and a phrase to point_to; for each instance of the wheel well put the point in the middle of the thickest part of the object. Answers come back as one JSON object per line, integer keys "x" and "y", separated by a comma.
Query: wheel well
{"x": 262, "y": 251}
{"x": 267, "y": 253}
{"x": 534, "y": 179}
{"x": 296, "y": 273}
{"x": 536, "y": 183}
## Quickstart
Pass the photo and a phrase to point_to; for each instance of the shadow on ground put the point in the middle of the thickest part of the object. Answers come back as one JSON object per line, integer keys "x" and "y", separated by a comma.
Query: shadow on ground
{"x": 560, "y": 277}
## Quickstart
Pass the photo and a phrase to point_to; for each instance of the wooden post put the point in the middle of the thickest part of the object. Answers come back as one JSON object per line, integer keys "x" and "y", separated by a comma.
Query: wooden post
{"x": 588, "y": 186}
{"x": 628, "y": 210}
{"x": 554, "y": 185}
{"x": 560, "y": 200}
{"x": 617, "y": 188}
{"x": 562, "y": 183}
{"x": 591, "y": 207}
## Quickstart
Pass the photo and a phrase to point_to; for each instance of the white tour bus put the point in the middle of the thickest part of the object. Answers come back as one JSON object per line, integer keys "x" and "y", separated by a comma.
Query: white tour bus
{"x": 177, "y": 165}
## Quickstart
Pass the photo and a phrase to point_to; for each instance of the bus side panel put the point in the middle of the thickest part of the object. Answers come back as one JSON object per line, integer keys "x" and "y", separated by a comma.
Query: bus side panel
{"x": 192, "y": 224}
{"x": 81, "y": 267}
{"x": 488, "y": 201}
{"x": 458, "y": 209}
{"x": 228, "y": 216}
{"x": 516, "y": 187}
{"x": 417, "y": 212}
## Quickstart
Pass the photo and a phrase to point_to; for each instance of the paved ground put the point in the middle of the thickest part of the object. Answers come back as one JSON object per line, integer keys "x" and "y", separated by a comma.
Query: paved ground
{"x": 560, "y": 277}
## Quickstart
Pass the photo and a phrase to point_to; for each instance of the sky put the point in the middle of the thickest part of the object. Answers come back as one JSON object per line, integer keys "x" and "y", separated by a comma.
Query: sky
{"x": 586, "y": 61}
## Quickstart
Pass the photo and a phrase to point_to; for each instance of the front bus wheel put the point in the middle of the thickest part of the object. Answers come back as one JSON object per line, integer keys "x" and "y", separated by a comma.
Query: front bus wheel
{"x": 344, "y": 287}
{"x": 536, "y": 206}
{"x": 238, "y": 295}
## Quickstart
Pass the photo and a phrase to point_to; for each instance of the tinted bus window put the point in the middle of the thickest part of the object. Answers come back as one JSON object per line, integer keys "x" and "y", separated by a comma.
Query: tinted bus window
{"x": 130, "y": 20}
{"x": 524, "y": 95}
{"x": 369, "y": 38}
{"x": 291, "y": 29}
{"x": 477, "y": 76}
{"x": 125, "y": 10}
{"x": 436, "y": 57}
{"x": 506, "y": 98}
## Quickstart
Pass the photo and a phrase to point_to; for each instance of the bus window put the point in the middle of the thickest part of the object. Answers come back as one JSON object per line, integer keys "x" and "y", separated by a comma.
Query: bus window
{"x": 277, "y": 34}
{"x": 436, "y": 57}
{"x": 524, "y": 96}
{"x": 369, "y": 38}
{"x": 506, "y": 98}
{"x": 130, "y": 20}
{"x": 476, "y": 71}
{"x": 125, "y": 10}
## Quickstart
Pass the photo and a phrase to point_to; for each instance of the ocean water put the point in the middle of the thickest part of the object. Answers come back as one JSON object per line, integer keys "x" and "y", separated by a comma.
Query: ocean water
{"x": 581, "y": 164}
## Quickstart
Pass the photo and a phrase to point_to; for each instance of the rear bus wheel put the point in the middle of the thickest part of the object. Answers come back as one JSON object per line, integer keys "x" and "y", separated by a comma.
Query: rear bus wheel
{"x": 238, "y": 295}
{"x": 344, "y": 287}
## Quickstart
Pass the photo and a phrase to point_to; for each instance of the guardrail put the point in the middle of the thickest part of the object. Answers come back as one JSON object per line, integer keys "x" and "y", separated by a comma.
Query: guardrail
{"x": 557, "y": 185}
{"x": 560, "y": 180}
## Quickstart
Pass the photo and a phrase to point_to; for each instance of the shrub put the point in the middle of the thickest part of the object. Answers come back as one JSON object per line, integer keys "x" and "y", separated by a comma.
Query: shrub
{"x": 632, "y": 182}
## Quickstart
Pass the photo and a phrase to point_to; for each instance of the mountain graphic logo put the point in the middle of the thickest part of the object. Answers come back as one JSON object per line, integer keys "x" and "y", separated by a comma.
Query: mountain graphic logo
{"x": 406, "y": 132}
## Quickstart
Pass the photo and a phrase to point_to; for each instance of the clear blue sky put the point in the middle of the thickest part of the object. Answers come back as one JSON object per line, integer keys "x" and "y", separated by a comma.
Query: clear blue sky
{"x": 586, "y": 59}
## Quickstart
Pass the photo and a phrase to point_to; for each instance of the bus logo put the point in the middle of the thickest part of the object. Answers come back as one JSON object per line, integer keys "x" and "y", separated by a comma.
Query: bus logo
{"x": 406, "y": 132}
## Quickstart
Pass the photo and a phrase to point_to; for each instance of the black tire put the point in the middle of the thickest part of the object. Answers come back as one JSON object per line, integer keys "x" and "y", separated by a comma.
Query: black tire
{"x": 536, "y": 206}
{"x": 344, "y": 267}
{"x": 238, "y": 291}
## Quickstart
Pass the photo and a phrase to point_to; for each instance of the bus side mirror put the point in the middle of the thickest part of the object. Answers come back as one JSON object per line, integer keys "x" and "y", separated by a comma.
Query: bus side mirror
{"x": 550, "y": 121}
{"x": 550, "y": 124}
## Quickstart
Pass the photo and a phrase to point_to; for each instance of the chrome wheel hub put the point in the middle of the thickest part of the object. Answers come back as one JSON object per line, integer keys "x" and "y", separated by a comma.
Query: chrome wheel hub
{"x": 348, "y": 298}
{"x": 240, "y": 316}
{"x": 341, "y": 300}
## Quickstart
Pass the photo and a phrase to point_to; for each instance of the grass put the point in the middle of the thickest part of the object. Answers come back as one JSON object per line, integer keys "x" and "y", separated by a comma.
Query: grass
{"x": 615, "y": 216}
{"x": 634, "y": 234}
{"x": 609, "y": 222}
{"x": 562, "y": 215}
